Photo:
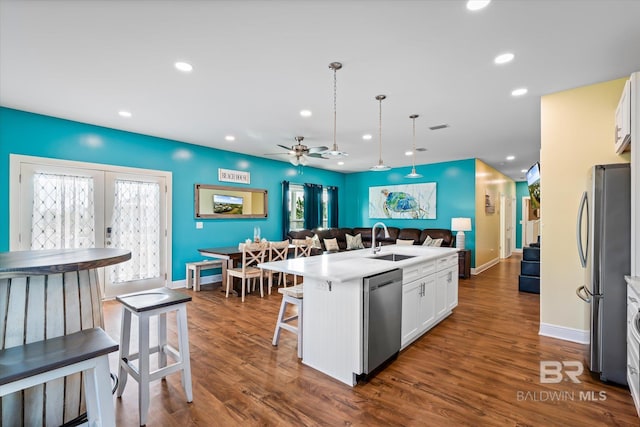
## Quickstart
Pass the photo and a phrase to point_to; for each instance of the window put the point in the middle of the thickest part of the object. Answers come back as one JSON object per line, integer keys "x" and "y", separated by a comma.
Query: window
{"x": 296, "y": 207}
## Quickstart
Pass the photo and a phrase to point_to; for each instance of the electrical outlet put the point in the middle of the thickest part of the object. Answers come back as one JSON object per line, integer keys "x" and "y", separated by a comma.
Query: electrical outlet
{"x": 199, "y": 225}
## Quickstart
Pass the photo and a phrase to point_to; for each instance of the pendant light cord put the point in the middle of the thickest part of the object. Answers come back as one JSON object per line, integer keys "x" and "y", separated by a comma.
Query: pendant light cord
{"x": 414, "y": 145}
{"x": 380, "y": 131}
{"x": 335, "y": 84}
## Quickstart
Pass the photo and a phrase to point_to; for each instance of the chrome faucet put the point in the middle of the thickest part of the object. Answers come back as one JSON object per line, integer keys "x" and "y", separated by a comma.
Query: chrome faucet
{"x": 373, "y": 236}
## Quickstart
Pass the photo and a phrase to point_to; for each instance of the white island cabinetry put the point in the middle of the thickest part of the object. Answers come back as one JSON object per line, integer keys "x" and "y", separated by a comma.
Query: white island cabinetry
{"x": 333, "y": 325}
{"x": 429, "y": 293}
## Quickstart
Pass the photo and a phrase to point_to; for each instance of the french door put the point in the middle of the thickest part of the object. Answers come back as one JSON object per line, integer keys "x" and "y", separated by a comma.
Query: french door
{"x": 62, "y": 204}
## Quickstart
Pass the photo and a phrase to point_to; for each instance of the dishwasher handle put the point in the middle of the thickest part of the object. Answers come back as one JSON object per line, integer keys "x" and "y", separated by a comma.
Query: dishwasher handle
{"x": 380, "y": 285}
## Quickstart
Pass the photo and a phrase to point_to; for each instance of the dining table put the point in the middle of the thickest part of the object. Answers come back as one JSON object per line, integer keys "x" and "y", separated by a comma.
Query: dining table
{"x": 231, "y": 256}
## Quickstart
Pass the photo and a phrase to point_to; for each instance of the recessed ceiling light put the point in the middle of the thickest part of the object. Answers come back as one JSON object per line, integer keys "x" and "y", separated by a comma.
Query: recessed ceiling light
{"x": 230, "y": 138}
{"x": 523, "y": 170}
{"x": 511, "y": 157}
{"x": 126, "y": 114}
{"x": 408, "y": 153}
{"x": 366, "y": 136}
{"x": 185, "y": 67}
{"x": 504, "y": 58}
{"x": 519, "y": 92}
{"x": 305, "y": 113}
{"x": 477, "y": 4}
{"x": 340, "y": 163}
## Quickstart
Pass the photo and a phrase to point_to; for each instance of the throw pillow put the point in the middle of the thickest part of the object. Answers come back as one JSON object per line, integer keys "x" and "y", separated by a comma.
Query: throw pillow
{"x": 404, "y": 242}
{"x": 331, "y": 244}
{"x": 354, "y": 242}
{"x": 314, "y": 242}
{"x": 432, "y": 242}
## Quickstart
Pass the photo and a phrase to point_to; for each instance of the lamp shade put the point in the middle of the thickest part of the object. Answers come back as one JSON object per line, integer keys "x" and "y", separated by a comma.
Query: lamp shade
{"x": 461, "y": 224}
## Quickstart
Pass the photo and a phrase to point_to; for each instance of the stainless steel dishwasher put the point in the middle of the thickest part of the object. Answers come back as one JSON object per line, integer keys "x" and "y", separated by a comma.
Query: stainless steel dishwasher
{"x": 382, "y": 318}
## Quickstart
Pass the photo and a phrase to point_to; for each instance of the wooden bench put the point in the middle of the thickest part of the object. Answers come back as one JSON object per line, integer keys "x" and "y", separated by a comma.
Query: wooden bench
{"x": 86, "y": 351}
{"x": 194, "y": 269}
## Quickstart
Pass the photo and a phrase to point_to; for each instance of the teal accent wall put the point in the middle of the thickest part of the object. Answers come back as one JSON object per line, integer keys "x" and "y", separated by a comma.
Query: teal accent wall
{"x": 522, "y": 190}
{"x": 455, "y": 197}
{"x": 43, "y": 136}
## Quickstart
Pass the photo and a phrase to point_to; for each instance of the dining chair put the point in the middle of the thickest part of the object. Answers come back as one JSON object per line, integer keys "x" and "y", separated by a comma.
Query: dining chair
{"x": 302, "y": 248}
{"x": 252, "y": 255}
{"x": 278, "y": 251}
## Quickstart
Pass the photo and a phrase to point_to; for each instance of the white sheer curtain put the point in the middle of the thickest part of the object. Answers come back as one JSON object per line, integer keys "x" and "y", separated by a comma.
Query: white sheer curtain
{"x": 63, "y": 212}
{"x": 136, "y": 227}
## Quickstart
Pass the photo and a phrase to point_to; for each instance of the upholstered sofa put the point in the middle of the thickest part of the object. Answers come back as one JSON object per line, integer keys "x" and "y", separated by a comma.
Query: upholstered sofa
{"x": 417, "y": 235}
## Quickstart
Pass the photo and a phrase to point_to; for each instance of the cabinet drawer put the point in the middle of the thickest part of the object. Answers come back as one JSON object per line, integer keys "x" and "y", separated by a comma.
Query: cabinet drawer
{"x": 448, "y": 261}
{"x": 416, "y": 271}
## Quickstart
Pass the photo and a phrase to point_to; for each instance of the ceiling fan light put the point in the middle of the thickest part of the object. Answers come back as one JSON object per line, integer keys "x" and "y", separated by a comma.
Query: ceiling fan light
{"x": 302, "y": 160}
{"x": 294, "y": 161}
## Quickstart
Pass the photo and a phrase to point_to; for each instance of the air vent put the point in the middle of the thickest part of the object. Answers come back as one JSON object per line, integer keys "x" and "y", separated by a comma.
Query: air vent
{"x": 442, "y": 126}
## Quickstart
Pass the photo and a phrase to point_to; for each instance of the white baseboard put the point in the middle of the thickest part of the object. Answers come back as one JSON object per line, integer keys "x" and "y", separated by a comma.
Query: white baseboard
{"x": 517, "y": 250}
{"x": 176, "y": 284}
{"x": 580, "y": 336}
{"x": 485, "y": 266}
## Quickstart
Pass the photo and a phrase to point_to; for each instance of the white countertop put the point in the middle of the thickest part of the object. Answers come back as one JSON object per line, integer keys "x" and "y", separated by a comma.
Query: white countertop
{"x": 349, "y": 265}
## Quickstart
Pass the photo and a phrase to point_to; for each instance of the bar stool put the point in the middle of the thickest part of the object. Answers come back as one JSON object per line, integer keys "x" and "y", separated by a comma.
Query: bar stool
{"x": 292, "y": 295}
{"x": 154, "y": 302}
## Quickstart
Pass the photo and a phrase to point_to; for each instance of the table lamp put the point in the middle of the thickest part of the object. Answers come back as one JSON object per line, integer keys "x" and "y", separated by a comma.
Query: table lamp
{"x": 460, "y": 225}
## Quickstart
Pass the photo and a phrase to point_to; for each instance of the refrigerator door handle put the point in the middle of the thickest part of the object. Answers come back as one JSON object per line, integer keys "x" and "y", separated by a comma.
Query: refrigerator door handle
{"x": 583, "y": 294}
{"x": 582, "y": 249}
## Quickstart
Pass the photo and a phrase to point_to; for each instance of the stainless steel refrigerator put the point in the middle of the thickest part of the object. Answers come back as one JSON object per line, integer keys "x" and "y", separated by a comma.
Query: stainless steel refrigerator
{"x": 604, "y": 246}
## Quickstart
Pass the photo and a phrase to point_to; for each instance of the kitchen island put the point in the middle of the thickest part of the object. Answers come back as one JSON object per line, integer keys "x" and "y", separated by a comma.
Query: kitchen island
{"x": 333, "y": 323}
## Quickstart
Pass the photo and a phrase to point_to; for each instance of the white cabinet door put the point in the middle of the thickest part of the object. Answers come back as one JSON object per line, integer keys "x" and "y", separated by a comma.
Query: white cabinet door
{"x": 441, "y": 292}
{"x": 411, "y": 296}
{"x": 623, "y": 119}
{"x": 427, "y": 314}
{"x": 452, "y": 288}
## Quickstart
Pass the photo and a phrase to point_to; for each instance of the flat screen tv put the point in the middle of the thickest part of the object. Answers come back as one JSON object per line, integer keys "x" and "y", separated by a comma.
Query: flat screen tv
{"x": 231, "y": 205}
{"x": 533, "y": 182}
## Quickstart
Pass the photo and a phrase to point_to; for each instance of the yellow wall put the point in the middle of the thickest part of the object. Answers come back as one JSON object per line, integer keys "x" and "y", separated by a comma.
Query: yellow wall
{"x": 577, "y": 131}
{"x": 487, "y": 226}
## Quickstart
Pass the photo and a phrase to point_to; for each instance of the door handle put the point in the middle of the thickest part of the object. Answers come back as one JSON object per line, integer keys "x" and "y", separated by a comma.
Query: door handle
{"x": 585, "y": 298}
{"x": 582, "y": 250}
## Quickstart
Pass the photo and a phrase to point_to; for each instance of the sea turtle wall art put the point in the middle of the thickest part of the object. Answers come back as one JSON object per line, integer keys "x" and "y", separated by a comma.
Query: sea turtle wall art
{"x": 411, "y": 201}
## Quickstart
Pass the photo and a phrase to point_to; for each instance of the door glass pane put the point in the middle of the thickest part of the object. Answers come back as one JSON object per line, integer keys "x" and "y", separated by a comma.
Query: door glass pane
{"x": 136, "y": 227}
{"x": 63, "y": 212}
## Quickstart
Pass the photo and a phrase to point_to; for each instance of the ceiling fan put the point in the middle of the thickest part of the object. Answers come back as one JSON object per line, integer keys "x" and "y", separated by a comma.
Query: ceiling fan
{"x": 299, "y": 153}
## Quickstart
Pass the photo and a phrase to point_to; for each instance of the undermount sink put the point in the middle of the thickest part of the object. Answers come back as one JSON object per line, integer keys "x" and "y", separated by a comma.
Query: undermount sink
{"x": 392, "y": 257}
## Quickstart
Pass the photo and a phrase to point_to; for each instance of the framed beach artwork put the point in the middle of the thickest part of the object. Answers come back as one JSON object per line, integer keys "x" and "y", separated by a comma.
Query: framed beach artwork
{"x": 409, "y": 201}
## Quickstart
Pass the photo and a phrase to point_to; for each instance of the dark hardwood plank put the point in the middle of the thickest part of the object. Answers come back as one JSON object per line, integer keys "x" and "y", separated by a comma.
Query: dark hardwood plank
{"x": 478, "y": 367}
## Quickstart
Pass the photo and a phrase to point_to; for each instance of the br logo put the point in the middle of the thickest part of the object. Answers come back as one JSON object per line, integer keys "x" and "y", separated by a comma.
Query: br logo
{"x": 552, "y": 371}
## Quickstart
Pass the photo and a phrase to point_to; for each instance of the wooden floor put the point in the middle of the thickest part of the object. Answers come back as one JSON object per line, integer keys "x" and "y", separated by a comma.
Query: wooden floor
{"x": 479, "y": 367}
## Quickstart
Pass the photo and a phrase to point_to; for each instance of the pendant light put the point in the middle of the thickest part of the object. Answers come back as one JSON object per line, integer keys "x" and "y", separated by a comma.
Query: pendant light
{"x": 413, "y": 173}
{"x": 334, "y": 153}
{"x": 380, "y": 166}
